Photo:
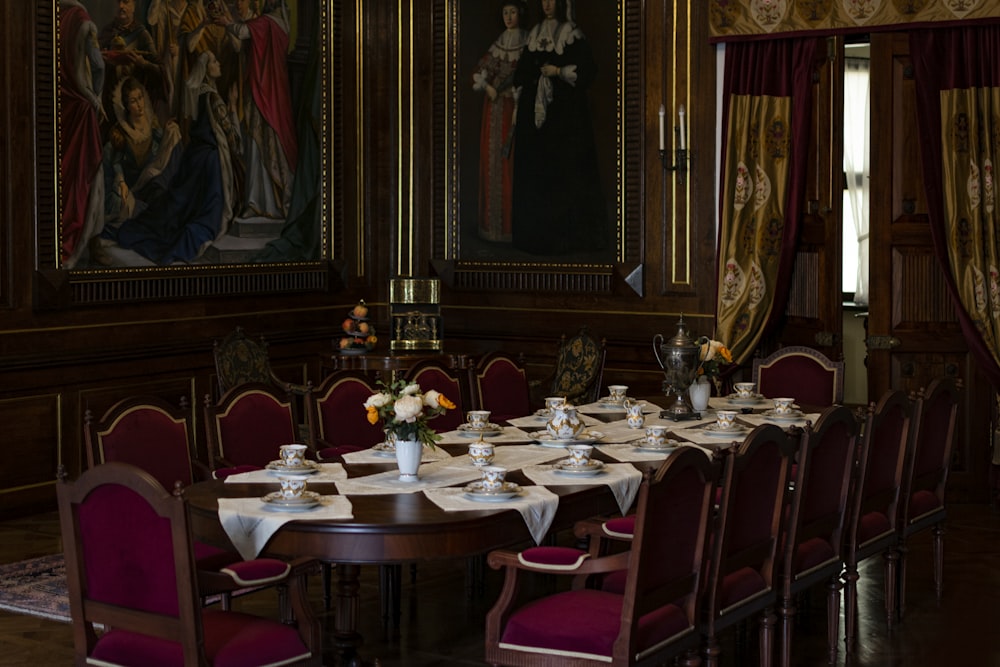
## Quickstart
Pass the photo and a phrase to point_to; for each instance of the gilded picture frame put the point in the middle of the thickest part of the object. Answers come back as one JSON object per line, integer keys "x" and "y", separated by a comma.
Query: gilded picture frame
{"x": 468, "y": 32}
{"x": 182, "y": 165}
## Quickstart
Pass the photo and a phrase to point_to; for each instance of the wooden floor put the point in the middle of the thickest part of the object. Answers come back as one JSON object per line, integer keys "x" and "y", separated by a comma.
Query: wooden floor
{"x": 443, "y": 625}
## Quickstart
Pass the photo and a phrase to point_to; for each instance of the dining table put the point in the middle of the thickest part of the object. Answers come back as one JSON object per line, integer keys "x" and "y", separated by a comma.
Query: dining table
{"x": 367, "y": 516}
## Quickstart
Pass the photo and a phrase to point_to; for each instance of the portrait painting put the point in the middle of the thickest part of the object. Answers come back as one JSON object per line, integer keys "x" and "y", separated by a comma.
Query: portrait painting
{"x": 538, "y": 89}
{"x": 187, "y": 133}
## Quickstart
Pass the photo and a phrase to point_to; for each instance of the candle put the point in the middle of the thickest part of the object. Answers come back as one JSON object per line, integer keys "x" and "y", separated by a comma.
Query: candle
{"x": 680, "y": 112}
{"x": 663, "y": 113}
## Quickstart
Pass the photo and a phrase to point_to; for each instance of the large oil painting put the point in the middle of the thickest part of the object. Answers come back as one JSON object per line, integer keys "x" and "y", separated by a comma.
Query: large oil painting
{"x": 546, "y": 111}
{"x": 188, "y": 133}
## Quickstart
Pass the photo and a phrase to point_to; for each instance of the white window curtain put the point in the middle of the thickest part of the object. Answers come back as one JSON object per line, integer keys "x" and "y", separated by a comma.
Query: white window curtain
{"x": 856, "y": 169}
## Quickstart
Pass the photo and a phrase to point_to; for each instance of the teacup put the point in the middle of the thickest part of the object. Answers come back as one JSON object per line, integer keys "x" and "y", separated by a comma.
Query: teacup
{"x": 478, "y": 420}
{"x": 292, "y": 456}
{"x": 552, "y": 402}
{"x": 617, "y": 392}
{"x": 481, "y": 453}
{"x": 493, "y": 477}
{"x": 656, "y": 435}
{"x": 633, "y": 414}
{"x": 725, "y": 419}
{"x": 782, "y": 406}
{"x": 579, "y": 455}
{"x": 292, "y": 488}
{"x": 745, "y": 389}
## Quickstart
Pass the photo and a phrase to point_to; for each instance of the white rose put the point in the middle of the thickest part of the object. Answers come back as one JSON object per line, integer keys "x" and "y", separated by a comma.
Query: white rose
{"x": 410, "y": 389}
{"x": 377, "y": 400}
{"x": 408, "y": 408}
{"x": 431, "y": 398}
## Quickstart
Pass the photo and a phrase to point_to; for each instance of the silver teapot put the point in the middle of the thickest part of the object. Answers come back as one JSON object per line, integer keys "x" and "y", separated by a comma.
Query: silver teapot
{"x": 678, "y": 358}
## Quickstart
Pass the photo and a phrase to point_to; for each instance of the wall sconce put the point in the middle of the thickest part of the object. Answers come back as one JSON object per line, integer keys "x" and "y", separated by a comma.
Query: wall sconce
{"x": 680, "y": 154}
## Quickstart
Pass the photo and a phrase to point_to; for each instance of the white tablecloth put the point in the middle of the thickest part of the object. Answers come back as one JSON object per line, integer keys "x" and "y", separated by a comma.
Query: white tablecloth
{"x": 622, "y": 478}
{"x": 250, "y": 523}
{"x": 536, "y": 504}
{"x": 328, "y": 472}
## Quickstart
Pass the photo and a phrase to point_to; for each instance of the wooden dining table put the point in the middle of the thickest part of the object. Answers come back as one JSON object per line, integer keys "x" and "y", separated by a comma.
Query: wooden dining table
{"x": 388, "y": 529}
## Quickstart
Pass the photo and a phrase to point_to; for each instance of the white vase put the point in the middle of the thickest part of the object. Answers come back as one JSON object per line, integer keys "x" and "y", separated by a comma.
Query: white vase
{"x": 699, "y": 391}
{"x": 408, "y": 454}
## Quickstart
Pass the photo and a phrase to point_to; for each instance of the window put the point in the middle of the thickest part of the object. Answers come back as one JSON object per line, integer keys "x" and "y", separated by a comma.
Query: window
{"x": 857, "y": 176}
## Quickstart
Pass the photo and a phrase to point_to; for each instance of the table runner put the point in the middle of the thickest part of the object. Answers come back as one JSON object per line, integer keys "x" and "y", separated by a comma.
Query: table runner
{"x": 510, "y": 434}
{"x": 622, "y": 478}
{"x": 328, "y": 472}
{"x": 536, "y": 504}
{"x": 600, "y": 408}
{"x": 536, "y": 423}
{"x": 249, "y": 523}
{"x": 626, "y": 453}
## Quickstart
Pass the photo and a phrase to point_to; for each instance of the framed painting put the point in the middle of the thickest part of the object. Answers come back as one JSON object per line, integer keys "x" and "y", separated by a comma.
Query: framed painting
{"x": 543, "y": 120}
{"x": 187, "y": 148}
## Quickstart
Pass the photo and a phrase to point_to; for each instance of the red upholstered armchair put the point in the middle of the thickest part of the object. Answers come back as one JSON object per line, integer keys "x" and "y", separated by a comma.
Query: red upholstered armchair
{"x": 247, "y": 425}
{"x": 500, "y": 385}
{"x": 653, "y": 619}
{"x": 130, "y": 568}
{"x": 337, "y": 418}
{"x": 802, "y": 373}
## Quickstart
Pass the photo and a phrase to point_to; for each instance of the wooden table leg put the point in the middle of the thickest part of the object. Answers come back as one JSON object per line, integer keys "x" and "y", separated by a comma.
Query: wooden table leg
{"x": 348, "y": 609}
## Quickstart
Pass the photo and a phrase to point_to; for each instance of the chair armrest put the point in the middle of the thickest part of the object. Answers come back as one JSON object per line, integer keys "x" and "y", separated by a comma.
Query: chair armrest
{"x": 292, "y": 387}
{"x": 557, "y": 560}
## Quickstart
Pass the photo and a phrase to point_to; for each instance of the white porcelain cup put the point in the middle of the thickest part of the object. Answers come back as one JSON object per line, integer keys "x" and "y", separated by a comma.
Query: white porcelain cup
{"x": 478, "y": 419}
{"x": 725, "y": 419}
{"x": 617, "y": 392}
{"x": 783, "y": 406}
{"x": 656, "y": 435}
{"x": 493, "y": 477}
{"x": 579, "y": 455}
{"x": 745, "y": 389}
{"x": 292, "y": 488}
{"x": 481, "y": 453}
{"x": 292, "y": 456}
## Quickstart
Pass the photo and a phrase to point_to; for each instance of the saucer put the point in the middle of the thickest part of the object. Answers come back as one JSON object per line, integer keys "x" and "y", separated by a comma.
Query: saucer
{"x": 353, "y": 351}
{"x": 384, "y": 449}
{"x": 586, "y": 438}
{"x": 794, "y": 415}
{"x": 306, "y": 468}
{"x": 489, "y": 431}
{"x": 543, "y": 414}
{"x": 308, "y": 500}
{"x": 735, "y": 399}
{"x": 735, "y": 430}
{"x": 668, "y": 446}
{"x": 475, "y": 491}
{"x": 609, "y": 403}
{"x": 592, "y": 467}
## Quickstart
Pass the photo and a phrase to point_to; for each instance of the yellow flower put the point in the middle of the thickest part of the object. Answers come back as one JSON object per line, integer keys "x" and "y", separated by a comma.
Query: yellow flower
{"x": 372, "y": 414}
{"x": 445, "y": 403}
{"x": 726, "y": 354}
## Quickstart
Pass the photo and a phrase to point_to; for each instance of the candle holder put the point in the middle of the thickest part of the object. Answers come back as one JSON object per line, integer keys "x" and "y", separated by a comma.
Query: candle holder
{"x": 680, "y": 163}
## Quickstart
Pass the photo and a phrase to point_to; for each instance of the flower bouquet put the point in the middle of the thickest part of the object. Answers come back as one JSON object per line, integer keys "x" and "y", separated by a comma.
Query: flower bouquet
{"x": 405, "y": 410}
{"x": 712, "y": 355}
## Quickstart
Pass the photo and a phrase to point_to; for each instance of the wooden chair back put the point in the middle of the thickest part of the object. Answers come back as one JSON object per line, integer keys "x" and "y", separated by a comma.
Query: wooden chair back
{"x": 579, "y": 368}
{"x": 431, "y": 374}
{"x": 802, "y": 373}
{"x": 500, "y": 385}
{"x": 336, "y": 413}
{"x": 248, "y": 424}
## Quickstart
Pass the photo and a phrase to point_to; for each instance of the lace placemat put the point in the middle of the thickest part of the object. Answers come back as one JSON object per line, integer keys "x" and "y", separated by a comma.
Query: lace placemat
{"x": 801, "y": 419}
{"x": 622, "y": 478}
{"x": 250, "y": 522}
{"x": 631, "y": 452}
{"x": 537, "y": 421}
{"x": 510, "y": 434}
{"x": 430, "y": 476}
{"x": 328, "y": 472}
{"x": 536, "y": 504}
{"x": 602, "y": 408}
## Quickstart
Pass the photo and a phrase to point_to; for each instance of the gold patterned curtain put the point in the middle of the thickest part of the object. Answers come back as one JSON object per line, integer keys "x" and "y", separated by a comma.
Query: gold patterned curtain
{"x": 766, "y": 93}
{"x": 970, "y": 139}
{"x": 753, "y": 211}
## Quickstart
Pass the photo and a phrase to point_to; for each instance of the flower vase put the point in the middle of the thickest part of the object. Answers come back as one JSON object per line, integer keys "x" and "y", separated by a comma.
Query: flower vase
{"x": 408, "y": 454}
{"x": 699, "y": 391}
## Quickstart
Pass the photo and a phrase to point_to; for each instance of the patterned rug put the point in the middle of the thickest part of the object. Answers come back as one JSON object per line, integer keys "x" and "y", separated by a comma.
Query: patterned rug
{"x": 36, "y": 587}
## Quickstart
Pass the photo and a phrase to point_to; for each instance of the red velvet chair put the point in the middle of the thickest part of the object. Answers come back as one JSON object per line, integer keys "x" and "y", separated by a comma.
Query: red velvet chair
{"x": 874, "y": 508}
{"x": 337, "y": 419}
{"x": 802, "y": 373}
{"x": 742, "y": 564}
{"x": 430, "y": 374}
{"x": 151, "y": 434}
{"x": 654, "y": 619}
{"x": 928, "y": 462}
{"x": 247, "y": 425}
{"x": 130, "y": 568}
{"x": 813, "y": 546}
{"x": 500, "y": 385}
